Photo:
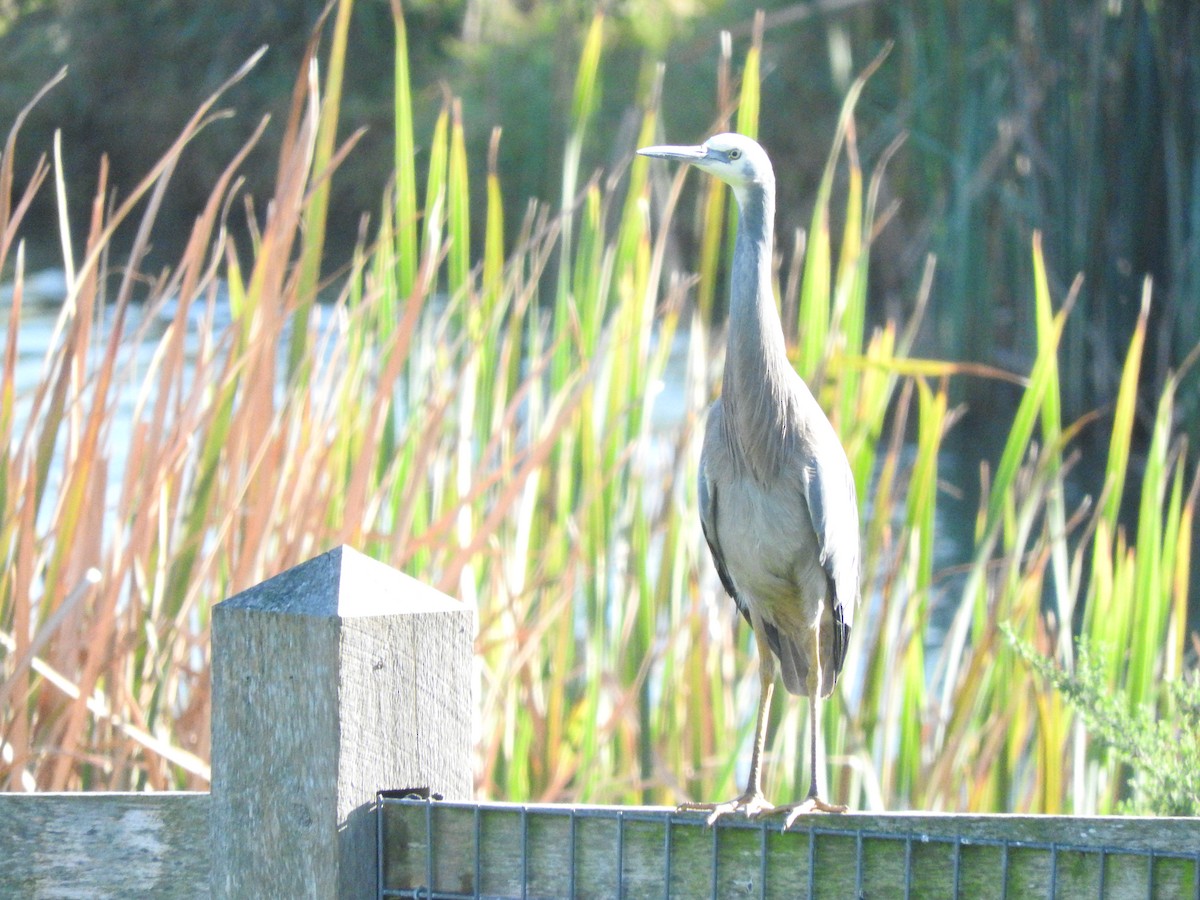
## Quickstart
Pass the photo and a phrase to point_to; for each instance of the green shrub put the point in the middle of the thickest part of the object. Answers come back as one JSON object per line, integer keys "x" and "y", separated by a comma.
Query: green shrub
{"x": 1160, "y": 745}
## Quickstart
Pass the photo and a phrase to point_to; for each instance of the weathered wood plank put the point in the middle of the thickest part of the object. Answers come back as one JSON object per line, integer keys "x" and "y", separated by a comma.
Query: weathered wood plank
{"x": 104, "y": 845}
{"x": 556, "y": 851}
{"x": 332, "y": 681}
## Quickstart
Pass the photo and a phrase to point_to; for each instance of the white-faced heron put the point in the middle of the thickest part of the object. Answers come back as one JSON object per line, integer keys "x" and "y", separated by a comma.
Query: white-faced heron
{"x": 777, "y": 499}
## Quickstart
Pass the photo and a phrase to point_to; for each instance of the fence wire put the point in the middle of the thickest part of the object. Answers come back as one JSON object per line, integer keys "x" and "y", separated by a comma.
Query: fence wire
{"x": 1113, "y": 870}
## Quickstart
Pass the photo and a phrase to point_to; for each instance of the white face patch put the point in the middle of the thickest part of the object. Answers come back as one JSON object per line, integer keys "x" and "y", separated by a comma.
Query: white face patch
{"x": 737, "y": 159}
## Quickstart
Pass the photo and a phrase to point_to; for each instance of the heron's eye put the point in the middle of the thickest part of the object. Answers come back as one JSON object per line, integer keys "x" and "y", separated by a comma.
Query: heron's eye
{"x": 735, "y": 154}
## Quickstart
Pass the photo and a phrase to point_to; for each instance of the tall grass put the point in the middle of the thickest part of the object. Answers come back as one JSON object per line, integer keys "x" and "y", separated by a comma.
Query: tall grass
{"x": 489, "y": 418}
{"x": 1074, "y": 120}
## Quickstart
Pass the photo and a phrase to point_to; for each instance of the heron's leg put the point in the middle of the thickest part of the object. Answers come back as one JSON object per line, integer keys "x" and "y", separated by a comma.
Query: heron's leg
{"x": 752, "y": 802}
{"x": 813, "y": 802}
{"x": 766, "y": 690}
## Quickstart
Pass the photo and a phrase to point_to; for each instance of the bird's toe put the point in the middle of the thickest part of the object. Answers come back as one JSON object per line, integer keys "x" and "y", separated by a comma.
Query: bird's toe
{"x": 751, "y": 805}
{"x": 806, "y": 807}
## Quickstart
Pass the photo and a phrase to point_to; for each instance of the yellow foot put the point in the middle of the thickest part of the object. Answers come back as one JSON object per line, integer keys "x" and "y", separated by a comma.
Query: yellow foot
{"x": 751, "y": 805}
{"x": 806, "y": 806}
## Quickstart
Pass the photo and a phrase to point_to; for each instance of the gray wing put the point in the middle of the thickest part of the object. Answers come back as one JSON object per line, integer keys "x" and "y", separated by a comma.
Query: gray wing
{"x": 833, "y": 505}
{"x": 708, "y": 524}
{"x": 708, "y": 509}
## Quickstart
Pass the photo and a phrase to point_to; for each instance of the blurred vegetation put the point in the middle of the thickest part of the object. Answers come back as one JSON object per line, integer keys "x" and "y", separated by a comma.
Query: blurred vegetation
{"x": 1075, "y": 119}
{"x": 136, "y": 72}
{"x": 476, "y": 404}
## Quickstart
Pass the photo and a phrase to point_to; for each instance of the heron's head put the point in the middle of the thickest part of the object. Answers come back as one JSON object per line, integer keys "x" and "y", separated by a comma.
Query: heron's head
{"x": 734, "y": 158}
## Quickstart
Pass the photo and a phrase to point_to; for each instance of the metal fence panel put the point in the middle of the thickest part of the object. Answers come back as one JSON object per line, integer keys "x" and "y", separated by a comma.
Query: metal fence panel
{"x": 436, "y": 849}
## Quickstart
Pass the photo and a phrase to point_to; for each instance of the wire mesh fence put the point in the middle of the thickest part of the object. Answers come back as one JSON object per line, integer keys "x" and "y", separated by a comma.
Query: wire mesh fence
{"x": 434, "y": 849}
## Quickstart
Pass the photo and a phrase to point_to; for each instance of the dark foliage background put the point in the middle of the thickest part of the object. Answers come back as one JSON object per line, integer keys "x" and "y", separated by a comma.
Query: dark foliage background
{"x": 1078, "y": 119}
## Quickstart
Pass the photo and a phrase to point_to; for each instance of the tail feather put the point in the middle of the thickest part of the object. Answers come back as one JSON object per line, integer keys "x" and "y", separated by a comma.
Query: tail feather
{"x": 793, "y": 659}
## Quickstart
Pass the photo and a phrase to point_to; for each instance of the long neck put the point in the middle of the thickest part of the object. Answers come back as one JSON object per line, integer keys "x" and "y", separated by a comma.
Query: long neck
{"x": 758, "y": 394}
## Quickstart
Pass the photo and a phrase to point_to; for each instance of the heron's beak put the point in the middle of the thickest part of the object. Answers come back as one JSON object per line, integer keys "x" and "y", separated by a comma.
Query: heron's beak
{"x": 684, "y": 154}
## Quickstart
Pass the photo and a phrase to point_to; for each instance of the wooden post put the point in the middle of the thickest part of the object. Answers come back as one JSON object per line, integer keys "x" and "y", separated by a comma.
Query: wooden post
{"x": 104, "y": 845}
{"x": 332, "y": 681}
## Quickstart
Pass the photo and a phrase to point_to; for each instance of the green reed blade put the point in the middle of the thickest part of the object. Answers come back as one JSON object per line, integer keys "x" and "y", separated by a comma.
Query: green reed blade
{"x": 1117, "y": 465}
{"x": 317, "y": 211}
{"x": 405, "y": 161}
{"x": 816, "y": 285}
{"x": 459, "y": 213}
{"x": 1051, "y": 423}
{"x": 1151, "y": 598}
{"x": 750, "y": 97}
{"x": 435, "y": 192}
{"x": 999, "y": 501}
